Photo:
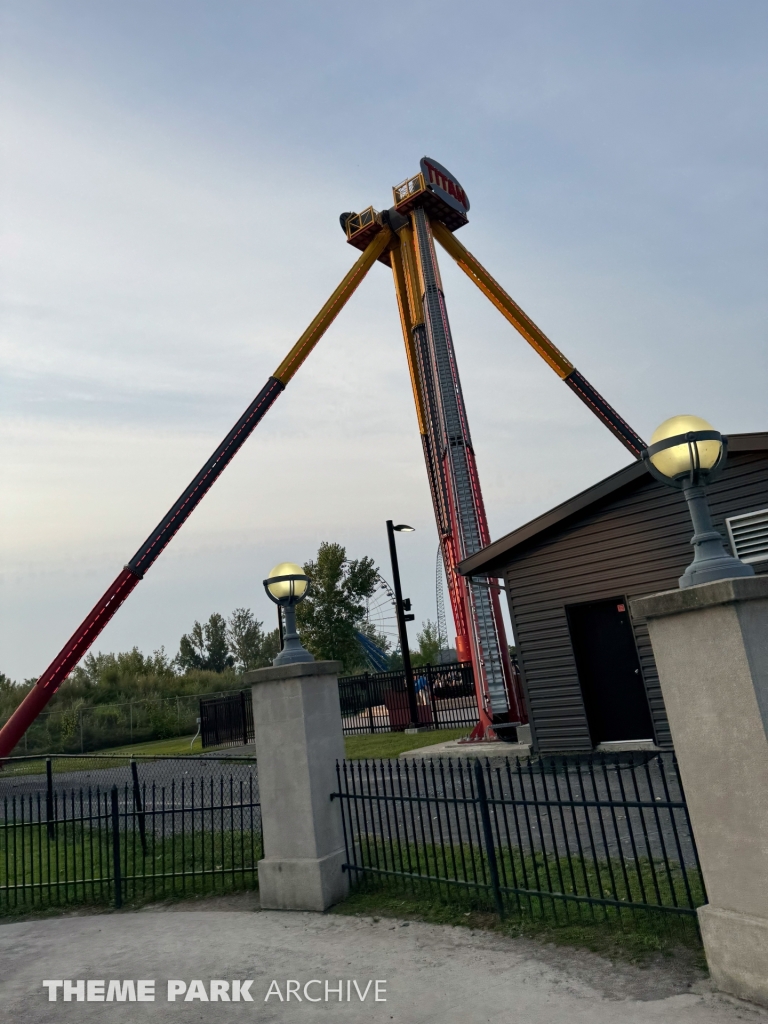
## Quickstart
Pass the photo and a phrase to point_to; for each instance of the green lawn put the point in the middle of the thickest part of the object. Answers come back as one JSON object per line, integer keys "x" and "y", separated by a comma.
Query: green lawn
{"x": 177, "y": 745}
{"x": 174, "y": 745}
{"x": 382, "y": 745}
{"x": 76, "y": 867}
{"x": 635, "y": 935}
{"x": 390, "y": 744}
{"x": 387, "y": 744}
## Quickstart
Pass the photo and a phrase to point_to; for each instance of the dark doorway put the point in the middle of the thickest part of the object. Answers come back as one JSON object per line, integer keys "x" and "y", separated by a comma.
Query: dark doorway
{"x": 609, "y": 672}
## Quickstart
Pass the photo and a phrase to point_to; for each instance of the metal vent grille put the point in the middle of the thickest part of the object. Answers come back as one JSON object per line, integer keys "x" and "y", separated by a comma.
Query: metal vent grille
{"x": 749, "y": 536}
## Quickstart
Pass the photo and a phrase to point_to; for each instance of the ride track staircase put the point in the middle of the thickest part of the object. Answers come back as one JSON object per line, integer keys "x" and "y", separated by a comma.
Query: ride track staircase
{"x": 466, "y": 530}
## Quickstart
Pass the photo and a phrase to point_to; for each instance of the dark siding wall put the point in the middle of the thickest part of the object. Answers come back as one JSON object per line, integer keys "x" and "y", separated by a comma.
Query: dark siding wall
{"x": 636, "y": 543}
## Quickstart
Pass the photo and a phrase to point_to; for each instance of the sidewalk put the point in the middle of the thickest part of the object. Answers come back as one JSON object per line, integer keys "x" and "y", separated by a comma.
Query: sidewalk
{"x": 433, "y": 974}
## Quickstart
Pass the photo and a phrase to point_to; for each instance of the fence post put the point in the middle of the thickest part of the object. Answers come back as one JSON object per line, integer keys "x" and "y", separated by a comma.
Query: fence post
{"x": 368, "y": 701}
{"x": 138, "y": 807}
{"x": 49, "y": 799}
{"x": 430, "y": 678}
{"x": 243, "y": 718}
{"x": 299, "y": 738}
{"x": 116, "y": 850}
{"x": 485, "y": 817}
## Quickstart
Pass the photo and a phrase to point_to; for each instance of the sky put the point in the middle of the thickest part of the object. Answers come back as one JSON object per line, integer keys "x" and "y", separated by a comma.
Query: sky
{"x": 172, "y": 177}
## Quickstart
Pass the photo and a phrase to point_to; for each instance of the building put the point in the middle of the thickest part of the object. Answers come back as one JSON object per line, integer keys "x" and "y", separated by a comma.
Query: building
{"x": 587, "y": 667}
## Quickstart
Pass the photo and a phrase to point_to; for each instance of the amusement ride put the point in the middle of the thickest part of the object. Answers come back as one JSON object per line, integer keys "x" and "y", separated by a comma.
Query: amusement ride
{"x": 429, "y": 207}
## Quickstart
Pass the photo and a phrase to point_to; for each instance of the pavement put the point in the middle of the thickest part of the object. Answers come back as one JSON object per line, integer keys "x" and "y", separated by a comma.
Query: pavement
{"x": 454, "y": 748}
{"x": 427, "y": 974}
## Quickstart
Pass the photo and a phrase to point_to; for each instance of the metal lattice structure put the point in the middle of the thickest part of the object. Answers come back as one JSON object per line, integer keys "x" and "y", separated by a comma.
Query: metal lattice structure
{"x": 442, "y": 627}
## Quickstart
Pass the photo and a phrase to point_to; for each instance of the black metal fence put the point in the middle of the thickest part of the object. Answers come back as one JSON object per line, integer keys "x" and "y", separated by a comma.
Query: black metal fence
{"x": 370, "y": 703}
{"x": 378, "y": 701}
{"x": 552, "y": 839}
{"x": 227, "y": 721}
{"x": 127, "y": 833}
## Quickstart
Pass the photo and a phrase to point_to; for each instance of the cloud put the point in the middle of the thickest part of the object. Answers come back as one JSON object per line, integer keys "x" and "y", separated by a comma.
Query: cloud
{"x": 173, "y": 179}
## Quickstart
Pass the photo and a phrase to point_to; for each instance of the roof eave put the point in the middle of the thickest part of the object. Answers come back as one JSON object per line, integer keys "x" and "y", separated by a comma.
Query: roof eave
{"x": 492, "y": 559}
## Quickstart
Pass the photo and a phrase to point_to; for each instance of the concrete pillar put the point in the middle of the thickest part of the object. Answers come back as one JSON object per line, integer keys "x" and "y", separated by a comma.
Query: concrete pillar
{"x": 299, "y": 738}
{"x": 711, "y": 648}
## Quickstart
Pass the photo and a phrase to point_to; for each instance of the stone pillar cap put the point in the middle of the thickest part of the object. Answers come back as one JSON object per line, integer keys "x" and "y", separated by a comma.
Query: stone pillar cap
{"x": 704, "y": 595}
{"x": 300, "y": 668}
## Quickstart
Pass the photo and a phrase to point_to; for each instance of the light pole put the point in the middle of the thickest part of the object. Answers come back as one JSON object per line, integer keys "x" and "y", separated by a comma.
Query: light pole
{"x": 686, "y": 452}
{"x": 286, "y": 586}
{"x": 401, "y": 607}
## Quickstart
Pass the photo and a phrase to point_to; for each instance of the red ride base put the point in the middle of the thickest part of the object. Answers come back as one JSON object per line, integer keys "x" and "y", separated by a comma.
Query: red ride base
{"x": 483, "y": 732}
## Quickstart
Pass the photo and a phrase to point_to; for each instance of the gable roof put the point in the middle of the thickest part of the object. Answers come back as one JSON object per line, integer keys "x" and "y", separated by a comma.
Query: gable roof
{"x": 492, "y": 559}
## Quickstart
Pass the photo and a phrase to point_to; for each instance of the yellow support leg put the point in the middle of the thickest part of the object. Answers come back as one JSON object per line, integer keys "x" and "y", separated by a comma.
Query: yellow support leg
{"x": 333, "y": 307}
{"x": 563, "y": 367}
{"x": 503, "y": 302}
{"x": 406, "y": 322}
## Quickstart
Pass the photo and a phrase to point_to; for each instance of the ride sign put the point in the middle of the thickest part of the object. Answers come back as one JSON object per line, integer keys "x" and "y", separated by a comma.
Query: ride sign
{"x": 442, "y": 183}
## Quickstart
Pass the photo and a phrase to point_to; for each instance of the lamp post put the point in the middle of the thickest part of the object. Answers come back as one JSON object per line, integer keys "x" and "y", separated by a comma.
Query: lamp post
{"x": 401, "y": 607}
{"x": 686, "y": 452}
{"x": 286, "y": 586}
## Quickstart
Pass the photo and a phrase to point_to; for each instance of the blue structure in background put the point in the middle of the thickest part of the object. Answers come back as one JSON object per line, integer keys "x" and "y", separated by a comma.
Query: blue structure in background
{"x": 376, "y": 655}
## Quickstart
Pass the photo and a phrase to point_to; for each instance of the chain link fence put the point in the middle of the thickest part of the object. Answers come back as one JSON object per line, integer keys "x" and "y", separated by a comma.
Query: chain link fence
{"x": 82, "y": 728}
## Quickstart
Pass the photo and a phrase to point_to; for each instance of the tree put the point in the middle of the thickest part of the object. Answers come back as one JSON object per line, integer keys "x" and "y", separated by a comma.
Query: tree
{"x": 12, "y": 694}
{"x": 247, "y": 640}
{"x": 271, "y": 647}
{"x": 216, "y": 644}
{"x": 334, "y": 610}
{"x": 192, "y": 649}
{"x": 206, "y": 646}
{"x": 429, "y": 644}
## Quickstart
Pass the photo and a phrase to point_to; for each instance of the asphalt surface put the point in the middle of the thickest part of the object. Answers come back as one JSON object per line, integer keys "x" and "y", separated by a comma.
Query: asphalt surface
{"x": 564, "y": 810}
{"x": 193, "y": 784}
{"x": 431, "y": 974}
{"x": 162, "y": 771}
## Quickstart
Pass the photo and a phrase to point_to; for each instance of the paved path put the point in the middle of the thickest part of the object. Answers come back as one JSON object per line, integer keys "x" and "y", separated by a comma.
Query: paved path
{"x": 89, "y": 773}
{"x": 434, "y": 974}
{"x": 169, "y": 783}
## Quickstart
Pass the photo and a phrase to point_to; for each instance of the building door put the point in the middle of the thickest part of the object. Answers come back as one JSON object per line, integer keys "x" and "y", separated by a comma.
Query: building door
{"x": 609, "y": 671}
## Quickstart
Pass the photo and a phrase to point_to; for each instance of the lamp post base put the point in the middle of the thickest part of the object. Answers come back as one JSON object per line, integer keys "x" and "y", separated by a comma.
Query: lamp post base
{"x": 707, "y": 570}
{"x": 711, "y": 561}
{"x": 292, "y": 653}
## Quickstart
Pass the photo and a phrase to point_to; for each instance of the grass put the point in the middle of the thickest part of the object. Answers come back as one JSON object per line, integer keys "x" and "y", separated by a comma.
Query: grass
{"x": 380, "y": 745}
{"x": 638, "y": 937}
{"x": 633, "y": 935}
{"x": 75, "y": 868}
{"x": 173, "y": 745}
{"x": 390, "y": 744}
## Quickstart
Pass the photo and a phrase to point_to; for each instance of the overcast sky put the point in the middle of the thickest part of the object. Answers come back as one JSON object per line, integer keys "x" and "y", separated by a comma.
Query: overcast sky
{"x": 173, "y": 173}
